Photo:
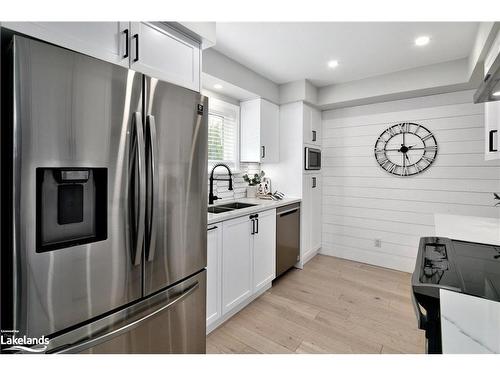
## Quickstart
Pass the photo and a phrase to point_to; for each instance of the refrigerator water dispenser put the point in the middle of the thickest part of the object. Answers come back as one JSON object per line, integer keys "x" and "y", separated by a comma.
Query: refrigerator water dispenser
{"x": 71, "y": 207}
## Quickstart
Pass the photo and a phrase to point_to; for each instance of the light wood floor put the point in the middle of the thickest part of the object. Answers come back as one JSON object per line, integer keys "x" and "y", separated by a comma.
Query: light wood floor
{"x": 331, "y": 306}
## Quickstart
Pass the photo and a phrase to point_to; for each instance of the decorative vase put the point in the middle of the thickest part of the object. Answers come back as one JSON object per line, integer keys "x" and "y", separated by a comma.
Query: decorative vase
{"x": 251, "y": 191}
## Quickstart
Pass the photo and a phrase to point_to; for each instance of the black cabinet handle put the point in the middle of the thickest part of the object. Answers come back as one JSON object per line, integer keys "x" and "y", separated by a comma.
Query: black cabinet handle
{"x": 263, "y": 152}
{"x": 126, "y": 43}
{"x": 253, "y": 226}
{"x": 136, "y": 37}
{"x": 314, "y": 135}
{"x": 492, "y": 141}
{"x": 209, "y": 229}
{"x": 257, "y": 222}
{"x": 314, "y": 182}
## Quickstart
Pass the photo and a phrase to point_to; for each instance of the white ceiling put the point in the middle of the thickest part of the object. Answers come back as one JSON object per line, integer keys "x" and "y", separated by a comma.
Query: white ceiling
{"x": 290, "y": 51}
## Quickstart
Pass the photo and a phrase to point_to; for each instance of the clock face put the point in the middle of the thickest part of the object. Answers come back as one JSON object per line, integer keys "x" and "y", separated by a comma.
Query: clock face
{"x": 406, "y": 149}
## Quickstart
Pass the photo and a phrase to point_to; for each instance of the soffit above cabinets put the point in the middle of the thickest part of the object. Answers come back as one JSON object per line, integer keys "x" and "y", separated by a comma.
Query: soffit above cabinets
{"x": 290, "y": 51}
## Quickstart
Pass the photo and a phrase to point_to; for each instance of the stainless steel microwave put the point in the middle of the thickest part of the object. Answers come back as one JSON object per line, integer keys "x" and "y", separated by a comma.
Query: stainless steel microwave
{"x": 312, "y": 159}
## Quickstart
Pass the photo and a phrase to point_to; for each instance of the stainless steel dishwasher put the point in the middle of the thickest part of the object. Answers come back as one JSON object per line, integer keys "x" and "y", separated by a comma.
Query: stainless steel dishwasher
{"x": 287, "y": 237}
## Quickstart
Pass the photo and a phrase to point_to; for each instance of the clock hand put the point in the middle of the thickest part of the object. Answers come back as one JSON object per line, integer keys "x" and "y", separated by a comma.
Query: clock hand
{"x": 407, "y": 157}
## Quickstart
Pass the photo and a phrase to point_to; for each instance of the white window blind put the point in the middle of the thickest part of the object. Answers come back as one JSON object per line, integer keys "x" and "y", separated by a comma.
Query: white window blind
{"x": 223, "y": 133}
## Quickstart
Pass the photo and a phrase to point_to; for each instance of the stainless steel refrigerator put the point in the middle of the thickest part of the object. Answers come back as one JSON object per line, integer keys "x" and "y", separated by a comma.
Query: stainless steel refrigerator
{"x": 104, "y": 178}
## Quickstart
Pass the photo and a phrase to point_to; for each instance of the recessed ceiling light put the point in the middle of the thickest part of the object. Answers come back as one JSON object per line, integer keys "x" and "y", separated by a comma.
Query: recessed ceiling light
{"x": 333, "y": 63}
{"x": 496, "y": 93}
{"x": 217, "y": 86}
{"x": 422, "y": 41}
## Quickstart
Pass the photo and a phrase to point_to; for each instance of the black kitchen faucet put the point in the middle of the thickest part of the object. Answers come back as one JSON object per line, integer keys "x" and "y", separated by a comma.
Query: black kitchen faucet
{"x": 211, "y": 196}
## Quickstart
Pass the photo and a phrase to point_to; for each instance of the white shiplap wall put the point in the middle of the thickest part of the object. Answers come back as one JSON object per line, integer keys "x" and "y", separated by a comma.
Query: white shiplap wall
{"x": 362, "y": 202}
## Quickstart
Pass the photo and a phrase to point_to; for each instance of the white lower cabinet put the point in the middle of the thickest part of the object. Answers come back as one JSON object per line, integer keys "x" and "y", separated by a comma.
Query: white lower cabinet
{"x": 214, "y": 268}
{"x": 236, "y": 262}
{"x": 316, "y": 222}
{"x": 264, "y": 250}
{"x": 311, "y": 215}
{"x": 241, "y": 263}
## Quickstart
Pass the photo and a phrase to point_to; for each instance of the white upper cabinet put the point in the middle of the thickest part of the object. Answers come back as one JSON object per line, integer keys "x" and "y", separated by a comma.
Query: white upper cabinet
{"x": 264, "y": 249}
{"x": 163, "y": 53}
{"x": 492, "y": 130}
{"x": 103, "y": 40}
{"x": 259, "y": 131}
{"x": 312, "y": 126}
{"x": 154, "y": 49}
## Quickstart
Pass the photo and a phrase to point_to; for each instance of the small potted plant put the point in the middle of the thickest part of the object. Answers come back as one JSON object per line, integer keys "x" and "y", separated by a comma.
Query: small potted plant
{"x": 253, "y": 181}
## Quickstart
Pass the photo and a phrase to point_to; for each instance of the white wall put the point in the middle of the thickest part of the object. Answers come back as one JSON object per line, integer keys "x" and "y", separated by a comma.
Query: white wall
{"x": 362, "y": 202}
{"x": 298, "y": 91}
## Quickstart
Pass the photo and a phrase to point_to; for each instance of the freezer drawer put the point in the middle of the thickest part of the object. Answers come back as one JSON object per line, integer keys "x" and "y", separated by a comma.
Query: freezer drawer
{"x": 171, "y": 321}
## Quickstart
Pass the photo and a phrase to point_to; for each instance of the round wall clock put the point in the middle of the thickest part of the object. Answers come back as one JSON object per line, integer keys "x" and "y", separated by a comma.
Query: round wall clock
{"x": 406, "y": 149}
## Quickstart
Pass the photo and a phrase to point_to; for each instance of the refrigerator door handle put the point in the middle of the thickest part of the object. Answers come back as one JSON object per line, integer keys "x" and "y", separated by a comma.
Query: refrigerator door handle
{"x": 152, "y": 188}
{"x": 141, "y": 163}
{"x": 81, "y": 345}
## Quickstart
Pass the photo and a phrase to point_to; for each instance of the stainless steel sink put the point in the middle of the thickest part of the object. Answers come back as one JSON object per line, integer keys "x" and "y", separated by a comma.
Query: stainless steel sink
{"x": 218, "y": 209}
{"x": 237, "y": 205}
{"x": 228, "y": 207}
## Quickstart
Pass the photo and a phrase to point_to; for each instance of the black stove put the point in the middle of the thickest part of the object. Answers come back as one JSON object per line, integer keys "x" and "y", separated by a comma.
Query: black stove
{"x": 464, "y": 267}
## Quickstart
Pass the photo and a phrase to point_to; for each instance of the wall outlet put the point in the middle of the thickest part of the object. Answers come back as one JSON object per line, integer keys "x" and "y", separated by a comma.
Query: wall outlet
{"x": 378, "y": 243}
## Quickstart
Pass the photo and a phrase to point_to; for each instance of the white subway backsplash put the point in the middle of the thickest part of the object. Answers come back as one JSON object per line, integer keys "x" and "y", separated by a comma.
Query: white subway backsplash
{"x": 239, "y": 185}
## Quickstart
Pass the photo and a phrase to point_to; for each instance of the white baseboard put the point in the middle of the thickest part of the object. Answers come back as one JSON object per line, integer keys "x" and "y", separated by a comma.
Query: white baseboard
{"x": 310, "y": 254}
{"x": 238, "y": 308}
{"x": 385, "y": 260}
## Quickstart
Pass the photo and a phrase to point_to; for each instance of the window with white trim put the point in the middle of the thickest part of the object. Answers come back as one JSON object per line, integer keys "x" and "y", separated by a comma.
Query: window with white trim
{"x": 223, "y": 134}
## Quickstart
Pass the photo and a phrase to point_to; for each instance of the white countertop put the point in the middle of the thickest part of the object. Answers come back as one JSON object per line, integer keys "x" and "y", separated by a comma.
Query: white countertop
{"x": 468, "y": 228}
{"x": 469, "y": 325}
{"x": 260, "y": 205}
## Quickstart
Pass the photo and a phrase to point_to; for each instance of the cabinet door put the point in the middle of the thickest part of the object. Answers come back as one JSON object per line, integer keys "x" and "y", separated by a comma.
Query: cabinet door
{"x": 307, "y": 124}
{"x": 492, "y": 130}
{"x": 316, "y": 211}
{"x": 269, "y": 132}
{"x": 316, "y": 126}
{"x": 264, "y": 249}
{"x": 103, "y": 40}
{"x": 165, "y": 54}
{"x": 236, "y": 262}
{"x": 214, "y": 269}
{"x": 306, "y": 216}
{"x": 312, "y": 125}
{"x": 250, "y": 150}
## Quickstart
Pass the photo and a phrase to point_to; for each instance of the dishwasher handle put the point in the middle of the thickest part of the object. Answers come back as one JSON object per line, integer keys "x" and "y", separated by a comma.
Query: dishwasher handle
{"x": 288, "y": 212}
